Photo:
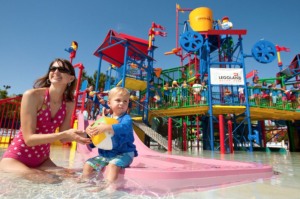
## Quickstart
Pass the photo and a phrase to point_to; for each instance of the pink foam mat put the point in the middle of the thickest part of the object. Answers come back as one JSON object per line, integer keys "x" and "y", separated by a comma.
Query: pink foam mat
{"x": 166, "y": 172}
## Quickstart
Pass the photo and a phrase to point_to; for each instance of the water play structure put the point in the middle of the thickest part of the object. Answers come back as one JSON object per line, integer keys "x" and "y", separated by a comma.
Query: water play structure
{"x": 214, "y": 54}
{"x": 225, "y": 115}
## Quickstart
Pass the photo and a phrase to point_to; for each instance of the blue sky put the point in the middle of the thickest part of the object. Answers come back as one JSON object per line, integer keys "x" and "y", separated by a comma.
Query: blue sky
{"x": 34, "y": 32}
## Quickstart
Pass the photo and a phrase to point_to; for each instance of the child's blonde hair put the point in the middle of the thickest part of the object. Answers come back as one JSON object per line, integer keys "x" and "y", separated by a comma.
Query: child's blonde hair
{"x": 118, "y": 90}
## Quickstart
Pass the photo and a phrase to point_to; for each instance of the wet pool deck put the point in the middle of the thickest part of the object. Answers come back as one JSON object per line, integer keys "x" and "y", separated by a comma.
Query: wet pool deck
{"x": 283, "y": 185}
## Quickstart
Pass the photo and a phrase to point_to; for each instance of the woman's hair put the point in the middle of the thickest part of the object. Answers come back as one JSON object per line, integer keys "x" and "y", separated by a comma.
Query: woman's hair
{"x": 118, "y": 90}
{"x": 43, "y": 82}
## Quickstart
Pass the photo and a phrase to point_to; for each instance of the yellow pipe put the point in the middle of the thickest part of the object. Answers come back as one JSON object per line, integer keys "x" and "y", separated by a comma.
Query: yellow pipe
{"x": 278, "y": 57}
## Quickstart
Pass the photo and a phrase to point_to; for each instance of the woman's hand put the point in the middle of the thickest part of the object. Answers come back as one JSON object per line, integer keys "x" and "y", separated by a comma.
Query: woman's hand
{"x": 76, "y": 135}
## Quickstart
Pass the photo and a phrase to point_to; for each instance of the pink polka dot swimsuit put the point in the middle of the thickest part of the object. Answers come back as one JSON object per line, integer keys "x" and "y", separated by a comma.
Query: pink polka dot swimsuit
{"x": 34, "y": 156}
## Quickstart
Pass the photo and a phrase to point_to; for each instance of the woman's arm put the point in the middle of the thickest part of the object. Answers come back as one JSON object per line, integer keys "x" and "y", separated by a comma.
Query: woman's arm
{"x": 30, "y": 104}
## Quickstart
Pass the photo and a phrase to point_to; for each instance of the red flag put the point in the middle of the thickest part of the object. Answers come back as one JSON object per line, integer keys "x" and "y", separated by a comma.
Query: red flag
{"x": 154, "y": 25}
{"x": 163, "y": 34}
{"x": 251, "y": 74}
{"x": 157, "y": 32}
{"x": 282, "y": 48}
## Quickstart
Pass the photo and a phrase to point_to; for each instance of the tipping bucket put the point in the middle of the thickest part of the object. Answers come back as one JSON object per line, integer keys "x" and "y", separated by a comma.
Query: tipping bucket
{"x": 201, "y": 19}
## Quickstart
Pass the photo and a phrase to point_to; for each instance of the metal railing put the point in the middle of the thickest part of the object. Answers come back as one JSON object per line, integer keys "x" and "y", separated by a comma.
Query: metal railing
{"x": 258, "y": 97}
{"x": 9, "y": 118}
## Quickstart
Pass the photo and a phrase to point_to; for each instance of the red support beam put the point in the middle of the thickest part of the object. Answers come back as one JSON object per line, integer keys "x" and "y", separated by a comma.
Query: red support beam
{"x": 170, "y": 134}
{"x": 222, "y": 134}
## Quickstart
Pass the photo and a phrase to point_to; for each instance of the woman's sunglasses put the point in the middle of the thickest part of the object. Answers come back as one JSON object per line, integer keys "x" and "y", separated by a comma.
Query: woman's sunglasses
{"x": 60, "y": 69}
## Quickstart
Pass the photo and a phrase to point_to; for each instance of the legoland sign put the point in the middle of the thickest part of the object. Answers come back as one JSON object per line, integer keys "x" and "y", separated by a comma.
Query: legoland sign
{"x": 227, "y": 76}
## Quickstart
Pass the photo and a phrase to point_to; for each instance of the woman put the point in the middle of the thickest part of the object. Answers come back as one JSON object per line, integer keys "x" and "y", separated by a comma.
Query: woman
{"x": 44, "y": 108}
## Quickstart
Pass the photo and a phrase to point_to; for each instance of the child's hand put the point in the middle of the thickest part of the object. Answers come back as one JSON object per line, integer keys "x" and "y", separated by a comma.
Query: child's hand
{"x": 93, "y": 130}
{"x": 97, "y": 129}
{"x": 88, "y": 129}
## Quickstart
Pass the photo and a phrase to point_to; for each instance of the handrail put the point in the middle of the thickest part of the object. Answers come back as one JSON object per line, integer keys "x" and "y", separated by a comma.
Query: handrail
{"x": 9, "y": 118}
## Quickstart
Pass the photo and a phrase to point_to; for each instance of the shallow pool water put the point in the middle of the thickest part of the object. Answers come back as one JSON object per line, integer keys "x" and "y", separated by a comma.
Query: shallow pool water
{"x": 285, "y": 184}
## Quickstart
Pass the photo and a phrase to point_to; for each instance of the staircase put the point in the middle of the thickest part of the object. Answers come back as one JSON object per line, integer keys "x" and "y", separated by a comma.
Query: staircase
{"x": 154, "y": 135}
